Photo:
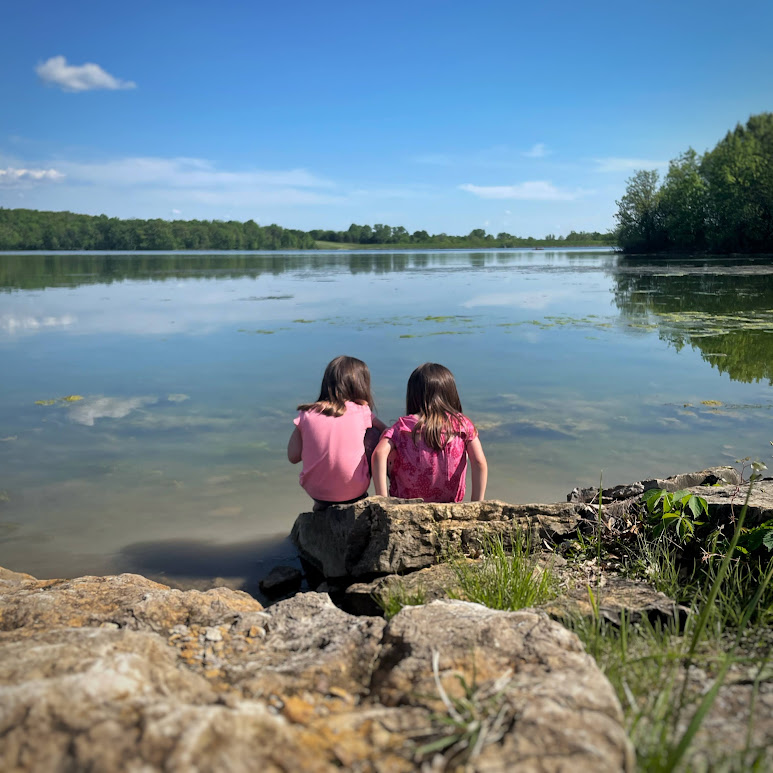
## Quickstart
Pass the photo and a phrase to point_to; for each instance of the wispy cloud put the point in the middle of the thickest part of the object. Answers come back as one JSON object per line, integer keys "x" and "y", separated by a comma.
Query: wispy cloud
{"x": 613, "y": 164}
{"x": 82, "y": 77}
{"x": 12, "y": 176}
{"x": 540, "y": 150}
{"x": 179, "y": 180}
{"x": 185, "y": 173}
{"x": 536, "y": 190}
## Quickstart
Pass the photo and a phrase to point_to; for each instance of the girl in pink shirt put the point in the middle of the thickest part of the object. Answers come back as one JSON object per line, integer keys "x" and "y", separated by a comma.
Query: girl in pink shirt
{"x": 330, "y": 435}
{"x": 425, "y": 453}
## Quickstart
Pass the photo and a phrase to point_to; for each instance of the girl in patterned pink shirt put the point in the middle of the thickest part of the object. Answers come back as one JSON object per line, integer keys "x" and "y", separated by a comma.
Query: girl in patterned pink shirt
{"x": 333, "y": 436}
{"x": 425, "y": 453}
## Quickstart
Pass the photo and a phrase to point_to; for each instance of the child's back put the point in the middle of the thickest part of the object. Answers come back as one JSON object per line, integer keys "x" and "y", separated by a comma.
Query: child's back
{"x": 419, "y": 471}
{"x": 329, "y": 435}
{"x": 425, "y": 453}
{"x": 335, "y": 467}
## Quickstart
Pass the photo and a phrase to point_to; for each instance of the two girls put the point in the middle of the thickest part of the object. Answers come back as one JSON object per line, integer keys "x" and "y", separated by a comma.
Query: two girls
{"x": 424, "y": 453}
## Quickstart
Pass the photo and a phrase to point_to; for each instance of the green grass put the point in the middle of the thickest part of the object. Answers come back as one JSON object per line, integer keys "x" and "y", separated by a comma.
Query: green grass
{"x": 396, "y": 596}
{"x": 505, "y": 578}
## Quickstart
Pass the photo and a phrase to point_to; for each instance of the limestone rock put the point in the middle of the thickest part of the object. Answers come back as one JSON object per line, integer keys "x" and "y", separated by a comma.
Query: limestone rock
{"x": 127, "y": 600}
{"x": 707, "y": 477}
{"x": 380, "y": 535}
{"x": 614, "y": 597}
{"x": 154, "y": 679}
{"x": 725, "y": 502}
{"x": 310, "y": 645}
{"x": 111, "y": 700}
{"x": 557, "y": 709}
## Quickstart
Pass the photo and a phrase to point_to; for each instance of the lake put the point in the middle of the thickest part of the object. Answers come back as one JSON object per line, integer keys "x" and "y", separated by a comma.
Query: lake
{"x": 574, "y": 364}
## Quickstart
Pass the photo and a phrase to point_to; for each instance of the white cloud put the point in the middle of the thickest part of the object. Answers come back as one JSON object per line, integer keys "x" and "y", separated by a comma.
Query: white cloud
{"x": 185, "y": 173}
{"x": 83, "y": 77}
{"x": 11, "y": 176}
{"x": 540, "y": 150}
{"x": 177, "y": 183}
{"x": 613, "y": 164}
{"x": 537, "y": 190}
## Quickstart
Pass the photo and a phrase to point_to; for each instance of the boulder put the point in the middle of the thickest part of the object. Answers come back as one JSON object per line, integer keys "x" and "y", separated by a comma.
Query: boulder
{"x": 541, "y": 698}
{"x": 124, "y": 601}
{"x": 707, "y": 477}
{"x": 382, "y": 535}
{"x": 132, "y": 684}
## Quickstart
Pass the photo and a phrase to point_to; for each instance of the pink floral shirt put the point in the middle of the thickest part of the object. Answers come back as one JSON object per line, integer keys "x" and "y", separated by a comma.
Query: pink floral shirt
{"x": 419, "y": 471}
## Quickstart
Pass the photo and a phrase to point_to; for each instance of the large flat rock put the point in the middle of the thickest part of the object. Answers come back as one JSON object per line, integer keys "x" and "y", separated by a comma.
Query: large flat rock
{"x": 381, "y": 535}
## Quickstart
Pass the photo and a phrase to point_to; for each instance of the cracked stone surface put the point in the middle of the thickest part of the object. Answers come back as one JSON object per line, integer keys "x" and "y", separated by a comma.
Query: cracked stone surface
{"x": 119, "y": 673}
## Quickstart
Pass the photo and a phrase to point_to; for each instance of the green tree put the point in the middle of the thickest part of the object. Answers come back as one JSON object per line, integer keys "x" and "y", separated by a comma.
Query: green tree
{"x": 684, "y": 203}
{"x": 739, "y": 173}
{"x": 640, "y": 227}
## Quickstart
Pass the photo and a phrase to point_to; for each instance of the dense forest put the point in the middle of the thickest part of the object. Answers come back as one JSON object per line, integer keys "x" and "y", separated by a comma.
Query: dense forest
{"x": 28, "y": 229}
{"x": 719, "y": 202}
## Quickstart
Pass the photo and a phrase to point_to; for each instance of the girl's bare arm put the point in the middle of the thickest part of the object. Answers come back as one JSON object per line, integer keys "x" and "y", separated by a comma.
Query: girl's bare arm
{"x": 379, "y": 465}
{"x": 295, "y": 446}
{"x": 479, "y": 469}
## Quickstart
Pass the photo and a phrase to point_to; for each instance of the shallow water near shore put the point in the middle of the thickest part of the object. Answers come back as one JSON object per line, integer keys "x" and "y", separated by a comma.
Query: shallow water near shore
{"x": 187, "y": 370}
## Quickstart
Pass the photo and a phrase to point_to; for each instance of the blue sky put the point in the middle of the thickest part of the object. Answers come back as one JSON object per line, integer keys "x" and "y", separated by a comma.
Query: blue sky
{"x": 436, "y": 114}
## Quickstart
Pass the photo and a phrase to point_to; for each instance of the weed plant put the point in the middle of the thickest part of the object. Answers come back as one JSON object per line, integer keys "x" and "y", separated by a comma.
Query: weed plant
{"x": 652, "y": 666}
{"x": 505, "y": 578}
{"x": 396, "y": 596}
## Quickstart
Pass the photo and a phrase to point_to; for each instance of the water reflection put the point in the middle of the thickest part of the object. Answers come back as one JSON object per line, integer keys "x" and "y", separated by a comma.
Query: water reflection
{"x": 30, "y": 271}
{"x": 722, "y": 307}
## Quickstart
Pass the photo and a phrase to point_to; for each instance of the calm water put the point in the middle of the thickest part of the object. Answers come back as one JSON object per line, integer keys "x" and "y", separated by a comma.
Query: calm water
{"x": 190, "y": 367}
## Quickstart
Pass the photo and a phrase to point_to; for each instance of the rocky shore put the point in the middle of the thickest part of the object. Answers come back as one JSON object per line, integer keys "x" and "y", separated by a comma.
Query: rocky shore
{"x": 122, "y": 673}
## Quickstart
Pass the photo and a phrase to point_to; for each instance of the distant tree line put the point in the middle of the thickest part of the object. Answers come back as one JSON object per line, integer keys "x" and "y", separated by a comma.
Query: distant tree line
{"x": 29, "y": 229}
{"x": 398, "y": 236}
{"x": 719, "y": 202}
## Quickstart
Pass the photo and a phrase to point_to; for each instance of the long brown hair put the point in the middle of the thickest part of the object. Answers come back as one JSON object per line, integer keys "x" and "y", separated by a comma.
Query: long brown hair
{"x": 432, "y": 396}
{"x": 345, "y": 379}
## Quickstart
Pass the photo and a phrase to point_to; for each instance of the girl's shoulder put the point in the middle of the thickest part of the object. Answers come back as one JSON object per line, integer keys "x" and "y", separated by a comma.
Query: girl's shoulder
{"x": 464, "y": 427}
{"x": 403, "y": 424}
{"x": 357, "y": 407}
{"x": 406, "y": 423}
